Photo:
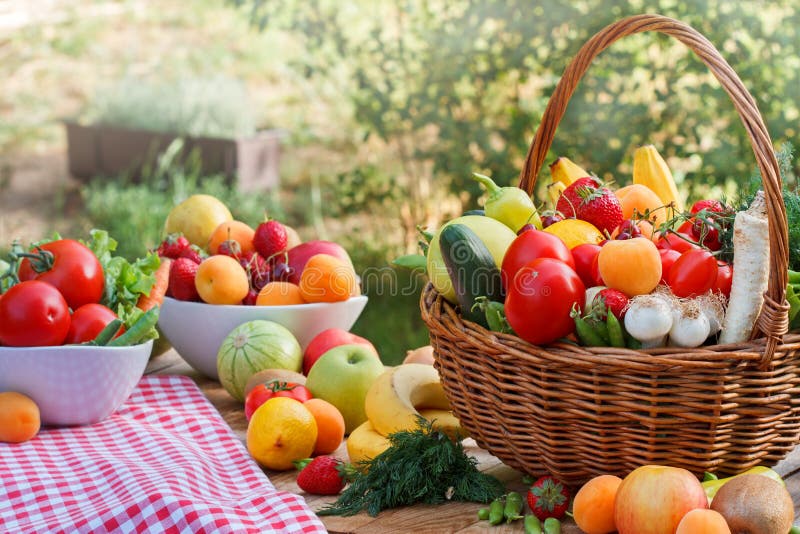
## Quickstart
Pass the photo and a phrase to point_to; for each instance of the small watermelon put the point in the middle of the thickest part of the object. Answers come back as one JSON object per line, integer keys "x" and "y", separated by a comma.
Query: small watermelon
{"x": 252, "y": 347}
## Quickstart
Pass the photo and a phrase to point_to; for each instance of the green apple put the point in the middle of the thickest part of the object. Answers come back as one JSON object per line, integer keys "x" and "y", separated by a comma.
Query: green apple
{"x": 342, "y": 376}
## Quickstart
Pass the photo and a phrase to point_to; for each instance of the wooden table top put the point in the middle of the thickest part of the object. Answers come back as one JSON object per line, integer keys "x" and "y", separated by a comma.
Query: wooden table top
{"x": 451, "y": 517}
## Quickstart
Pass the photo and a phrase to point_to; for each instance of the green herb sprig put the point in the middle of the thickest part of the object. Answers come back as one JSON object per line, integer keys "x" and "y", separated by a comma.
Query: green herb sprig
{"x": 420, "y": 466}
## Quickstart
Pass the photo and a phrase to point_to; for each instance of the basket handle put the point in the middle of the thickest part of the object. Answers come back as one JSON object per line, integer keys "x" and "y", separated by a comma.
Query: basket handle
{"x": 773, "y": 320}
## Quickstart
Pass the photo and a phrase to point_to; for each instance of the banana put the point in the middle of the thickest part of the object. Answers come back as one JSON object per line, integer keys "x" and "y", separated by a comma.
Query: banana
{"x": 365, "y": 443}
{"x": 650, "y": 169}
{"x": 554, "y": 191}
{"x": 393, "y": 400}
{"x": 566, "y": 171}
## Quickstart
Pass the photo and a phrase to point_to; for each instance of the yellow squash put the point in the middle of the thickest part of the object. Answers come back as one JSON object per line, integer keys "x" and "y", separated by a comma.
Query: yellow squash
{"x": 650, "y": 169}
{"x": 566, "y": 171}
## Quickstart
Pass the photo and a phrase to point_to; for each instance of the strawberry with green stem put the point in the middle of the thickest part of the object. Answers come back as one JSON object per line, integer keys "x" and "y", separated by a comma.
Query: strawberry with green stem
{"x": 589, "y": 200}
{"x": 323, "y": 475}
{"x": 548, "y": 497}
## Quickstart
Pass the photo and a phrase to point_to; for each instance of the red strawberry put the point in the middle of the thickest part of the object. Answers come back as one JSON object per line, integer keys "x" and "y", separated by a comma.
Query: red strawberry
{"x": 194, "y": 253}
{"x": 324, "y": 475}
{"x": 548, "y": 497}
{"x": 270, "y": 239}
{"x": 172, "y": 246}
{"x": 614, "y": 299}
{"x": 181, "y": 279}
{"x": 709, "y": 205}
{"x": 588, "y": 200}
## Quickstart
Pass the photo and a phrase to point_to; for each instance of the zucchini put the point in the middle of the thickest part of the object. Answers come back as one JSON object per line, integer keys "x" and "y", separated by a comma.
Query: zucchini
{"x": 472, "y": 270}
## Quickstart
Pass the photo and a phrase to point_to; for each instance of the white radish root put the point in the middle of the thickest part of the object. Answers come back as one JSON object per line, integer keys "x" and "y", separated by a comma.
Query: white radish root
{"x": 750, "y": 271}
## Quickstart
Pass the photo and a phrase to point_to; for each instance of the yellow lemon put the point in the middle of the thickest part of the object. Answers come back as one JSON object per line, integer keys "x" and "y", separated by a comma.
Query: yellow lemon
{"x": 575, "y": 232}
{"x": 281, "y": 431}
{"x": 197, "y": 217}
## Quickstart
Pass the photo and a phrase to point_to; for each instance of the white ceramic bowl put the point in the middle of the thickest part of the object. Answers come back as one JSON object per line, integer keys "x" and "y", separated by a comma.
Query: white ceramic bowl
{"x": 74, "y": 384}
{"x": 196, "y": 330}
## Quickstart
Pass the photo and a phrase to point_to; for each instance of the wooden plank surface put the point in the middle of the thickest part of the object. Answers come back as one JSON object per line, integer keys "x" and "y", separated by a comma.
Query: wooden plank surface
{"x": 451, "y": 517}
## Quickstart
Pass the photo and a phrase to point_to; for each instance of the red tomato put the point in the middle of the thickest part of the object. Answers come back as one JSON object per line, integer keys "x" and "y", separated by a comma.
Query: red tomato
{"x": 263, "y": 392}
{"x": 532, "y": 245}
{"x": 594, "y": 274}
{"x": 584, "y": 256}
{"x": 668, "y": 257}
{"x": 693, "y": 274}
{"x": 676, "y": 242}
{"x": 69, "y": 266}
{"x": 33, "y": 313}
{"x": 540, "y": 299}
{"x": 724, "y": 279}
{"x": 88, "y": 321}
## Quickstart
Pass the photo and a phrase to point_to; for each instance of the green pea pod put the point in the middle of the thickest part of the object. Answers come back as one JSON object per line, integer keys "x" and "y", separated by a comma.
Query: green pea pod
{"x": 483, "y": 514}
{"x": 588, "y": 336}
{"x": 707, "y": 476}
{"x": 138, "y": 330}
{"x": 615, "y": 335}
{"x": 552, "y": 526}
{"x": 107, "y": 333}
{"x": 513, "y": 507}
{"x": 794, "y": 530}
{"x": 495, "y": 313}
{"x": 532, "y": 525}
{"x": 496, "y": 510}
{"x": 600, "y": 327}
{"x": 510, "y": 205}
{"x": 794, "y": 277}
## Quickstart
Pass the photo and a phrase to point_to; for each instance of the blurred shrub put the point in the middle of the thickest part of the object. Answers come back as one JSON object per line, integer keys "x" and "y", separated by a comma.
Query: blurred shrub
{"x": 133, "y": 212}
{"x": 461, "y": 85}
{"x": 217, "y": 107}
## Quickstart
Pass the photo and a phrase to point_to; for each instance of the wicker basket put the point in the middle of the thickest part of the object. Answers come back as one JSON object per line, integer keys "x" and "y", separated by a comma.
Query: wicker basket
{"x": 576, "y": 412}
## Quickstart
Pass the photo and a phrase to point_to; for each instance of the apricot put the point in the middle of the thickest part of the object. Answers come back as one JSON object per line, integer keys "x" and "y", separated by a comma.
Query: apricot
{"x": 232, "y": 231}
{"x": 326, "y": 278}
{"x": 221, "y": 280}
{"x": 19, "y": 417}
{"x": 593, "y": 507}
{"x": 632, "y": 266}
{"x": 640, "y": 198}
{"x": 703, "y": 521}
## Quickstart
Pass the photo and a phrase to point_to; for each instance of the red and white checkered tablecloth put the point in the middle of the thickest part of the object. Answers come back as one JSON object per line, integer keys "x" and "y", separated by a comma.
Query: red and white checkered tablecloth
{"x": 165, "y": 462}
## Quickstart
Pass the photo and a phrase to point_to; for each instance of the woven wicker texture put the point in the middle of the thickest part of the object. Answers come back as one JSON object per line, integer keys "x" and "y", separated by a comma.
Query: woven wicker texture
{"x": 577, "y": 412}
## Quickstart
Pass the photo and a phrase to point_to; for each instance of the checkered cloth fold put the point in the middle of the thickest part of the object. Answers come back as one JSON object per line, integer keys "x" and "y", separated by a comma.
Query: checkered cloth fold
{"x": 164, "y": 462}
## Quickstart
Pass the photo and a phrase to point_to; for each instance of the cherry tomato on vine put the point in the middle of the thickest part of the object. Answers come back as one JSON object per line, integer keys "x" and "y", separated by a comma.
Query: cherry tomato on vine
{"x": 680, "y": 242}
{"x": 693, "y": 274}
{"x": 70, "y": 267}
{"x": 724, "y": 279}
{"x": 88, "y": 321}
{"x": 585, "y": 256}
{"x": 32, "y": 314}
{"x": 668, "y": 257}
{"x": 263, "y": 392}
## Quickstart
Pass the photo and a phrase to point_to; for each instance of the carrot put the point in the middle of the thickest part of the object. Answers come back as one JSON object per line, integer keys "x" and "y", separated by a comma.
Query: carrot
{"x": 156, "y": 296}
{"x": 750, "y": 271}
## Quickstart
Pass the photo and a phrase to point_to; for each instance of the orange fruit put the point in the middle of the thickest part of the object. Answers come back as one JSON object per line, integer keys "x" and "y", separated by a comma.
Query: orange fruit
{"x": 330, "y": 425}
{"x": 326, "y": 278}
{"x": 593, "y": 507}
{"x": 632, "y": 266}
{"x": 279, "y": 294}
{"x": 575, "y": 232}
{"x": 232, "y": 231}
{"x": 221, "y": 280}
{"x": 281, "y": 431}
{"x": 19, "y": 417}
{"x": 703, "y": 521}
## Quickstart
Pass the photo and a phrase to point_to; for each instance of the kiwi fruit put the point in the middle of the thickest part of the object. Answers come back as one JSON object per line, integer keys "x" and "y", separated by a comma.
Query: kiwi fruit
{"x": 755, "y": 504}
{"x": 268, "y": 375}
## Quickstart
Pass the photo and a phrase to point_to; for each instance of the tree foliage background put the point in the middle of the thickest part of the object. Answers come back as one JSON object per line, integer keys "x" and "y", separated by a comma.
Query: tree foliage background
{"x": 452, "y": 87}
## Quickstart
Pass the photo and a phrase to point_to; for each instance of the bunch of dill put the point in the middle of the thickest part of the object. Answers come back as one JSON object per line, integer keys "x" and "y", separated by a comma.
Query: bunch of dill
{"x": 422, "y": 465}
{"x": 791, "y": 198}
